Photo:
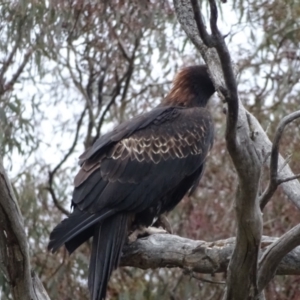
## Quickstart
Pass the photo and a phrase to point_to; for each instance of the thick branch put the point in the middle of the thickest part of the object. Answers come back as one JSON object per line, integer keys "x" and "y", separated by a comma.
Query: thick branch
{"x": 274, "y": 180}
{"x": 263, "y": 146}
{"x": 241, "y": 279}
{"x": 171, "y": 251}
{"x": 260, "y": 140}
{"x": 274, "y": 254}
{"x": 252, "y": 146}
{"x": 14, "y": 248}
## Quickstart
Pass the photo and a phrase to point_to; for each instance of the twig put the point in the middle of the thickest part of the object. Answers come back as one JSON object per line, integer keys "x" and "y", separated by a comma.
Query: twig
{"x": 274, "y": 180}
{"x": 8, "y": 61}
{"x": 196, "y": 276}
{"x": 286, "y": 162}
{"x": 130, "y": 70}
{"x": 12, "y": 54}
{"x": 55, "y": 200}
{"x": 58, "y": 166}
{"x": 281, "y": 180}
{"x": 117, "y": 90}
{"x": 122, "y": 46}
{"x": 19, "y": 70}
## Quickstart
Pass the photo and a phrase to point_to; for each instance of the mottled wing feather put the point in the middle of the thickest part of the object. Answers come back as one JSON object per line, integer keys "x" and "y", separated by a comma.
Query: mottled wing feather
{"x": 125, "y": 129}
{"x": 134, "y": 171}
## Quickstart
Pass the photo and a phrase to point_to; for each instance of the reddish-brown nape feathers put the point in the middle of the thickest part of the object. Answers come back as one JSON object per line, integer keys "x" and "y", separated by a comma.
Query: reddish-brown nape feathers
{"x": 192, "y": 87}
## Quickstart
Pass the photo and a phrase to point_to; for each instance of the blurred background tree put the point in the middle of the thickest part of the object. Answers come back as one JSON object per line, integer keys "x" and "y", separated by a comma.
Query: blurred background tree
{"x": 71, "y": 70}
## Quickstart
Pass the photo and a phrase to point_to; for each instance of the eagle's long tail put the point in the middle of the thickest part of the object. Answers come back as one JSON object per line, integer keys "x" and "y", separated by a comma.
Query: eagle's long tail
{"x": 75, "y": 229}
{"x": 108, "y": 240}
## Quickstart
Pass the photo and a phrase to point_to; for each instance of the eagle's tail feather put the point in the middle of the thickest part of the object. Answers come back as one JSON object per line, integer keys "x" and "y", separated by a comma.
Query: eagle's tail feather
{"x": 108, "y": 240}
{"x": 72, "y": 227}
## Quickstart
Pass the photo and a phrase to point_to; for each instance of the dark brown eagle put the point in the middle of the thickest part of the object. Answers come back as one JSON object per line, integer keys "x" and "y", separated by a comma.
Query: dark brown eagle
{"x": 136, "y": 172}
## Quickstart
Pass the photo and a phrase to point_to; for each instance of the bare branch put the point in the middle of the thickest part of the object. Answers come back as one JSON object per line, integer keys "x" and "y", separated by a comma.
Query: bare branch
{"x": 58, "y": 166}
{"x": 286, "y": 161}
{"x": 214, "y": 19}
{"x": 260, "y": 140}
{"x": 8, "y": 61}
{"x": 121, "y": 44}
{"x": 216, "y": 40}
{"x": 231, "y": 94}
{"x": 196, "y": 276}
{"x": 10, "y": 58}
{"x": 185, "y": 15}
{"x": 117, "y": 90}
{"x": 274, "y": 255}
{"x": 56, "y": 201}
{"x": 14, "y": 248}
{"x": 78, "y": 83}
{"x": 129, "y": 72}
{"x": 262, "y": 145}
{"x": 171, "y": 251}
{"x": 247, "y": 155}
{"x": 241, "y": 277}
{"x": 205, "y": 36}
{"x": 282, "y": 180}
{"x": 274, "y": 180}
{"x": 20, "y": 69}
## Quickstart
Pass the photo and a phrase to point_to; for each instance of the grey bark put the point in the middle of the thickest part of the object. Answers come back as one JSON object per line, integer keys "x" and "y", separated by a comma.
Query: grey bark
{"x": 171, "y": 251}
{"x": 14, "y": 251}
{"x": 268, "y": 264}
{"x": 260, "y": 139}
{"x": 247, "y": 144}
{"x": 242, "y": 269}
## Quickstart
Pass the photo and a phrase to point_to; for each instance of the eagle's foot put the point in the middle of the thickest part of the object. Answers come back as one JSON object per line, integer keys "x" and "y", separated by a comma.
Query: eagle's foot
{"x": 143, "y": 232}
{"x": 164, "y": 223}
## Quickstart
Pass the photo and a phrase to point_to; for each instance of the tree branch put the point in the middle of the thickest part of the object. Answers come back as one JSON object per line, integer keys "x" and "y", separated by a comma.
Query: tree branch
{"x": 260, "y": 140}
{"x": 247, "y": 147}
{"x": 208, "y": 40}
{"x": 19, "y": 71}
{"x": 282, "y": 180}
{"x": 14, "y": 247}
{"x": 172, "y": 251}
{"x": 116, "y": 92}
{"x": 274, "y": 254}
{"x": 263, "y": 145}
{"x": 274, "y": 180}
{"x": 58, "y": 166}
{"x": 241, "y": 279}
